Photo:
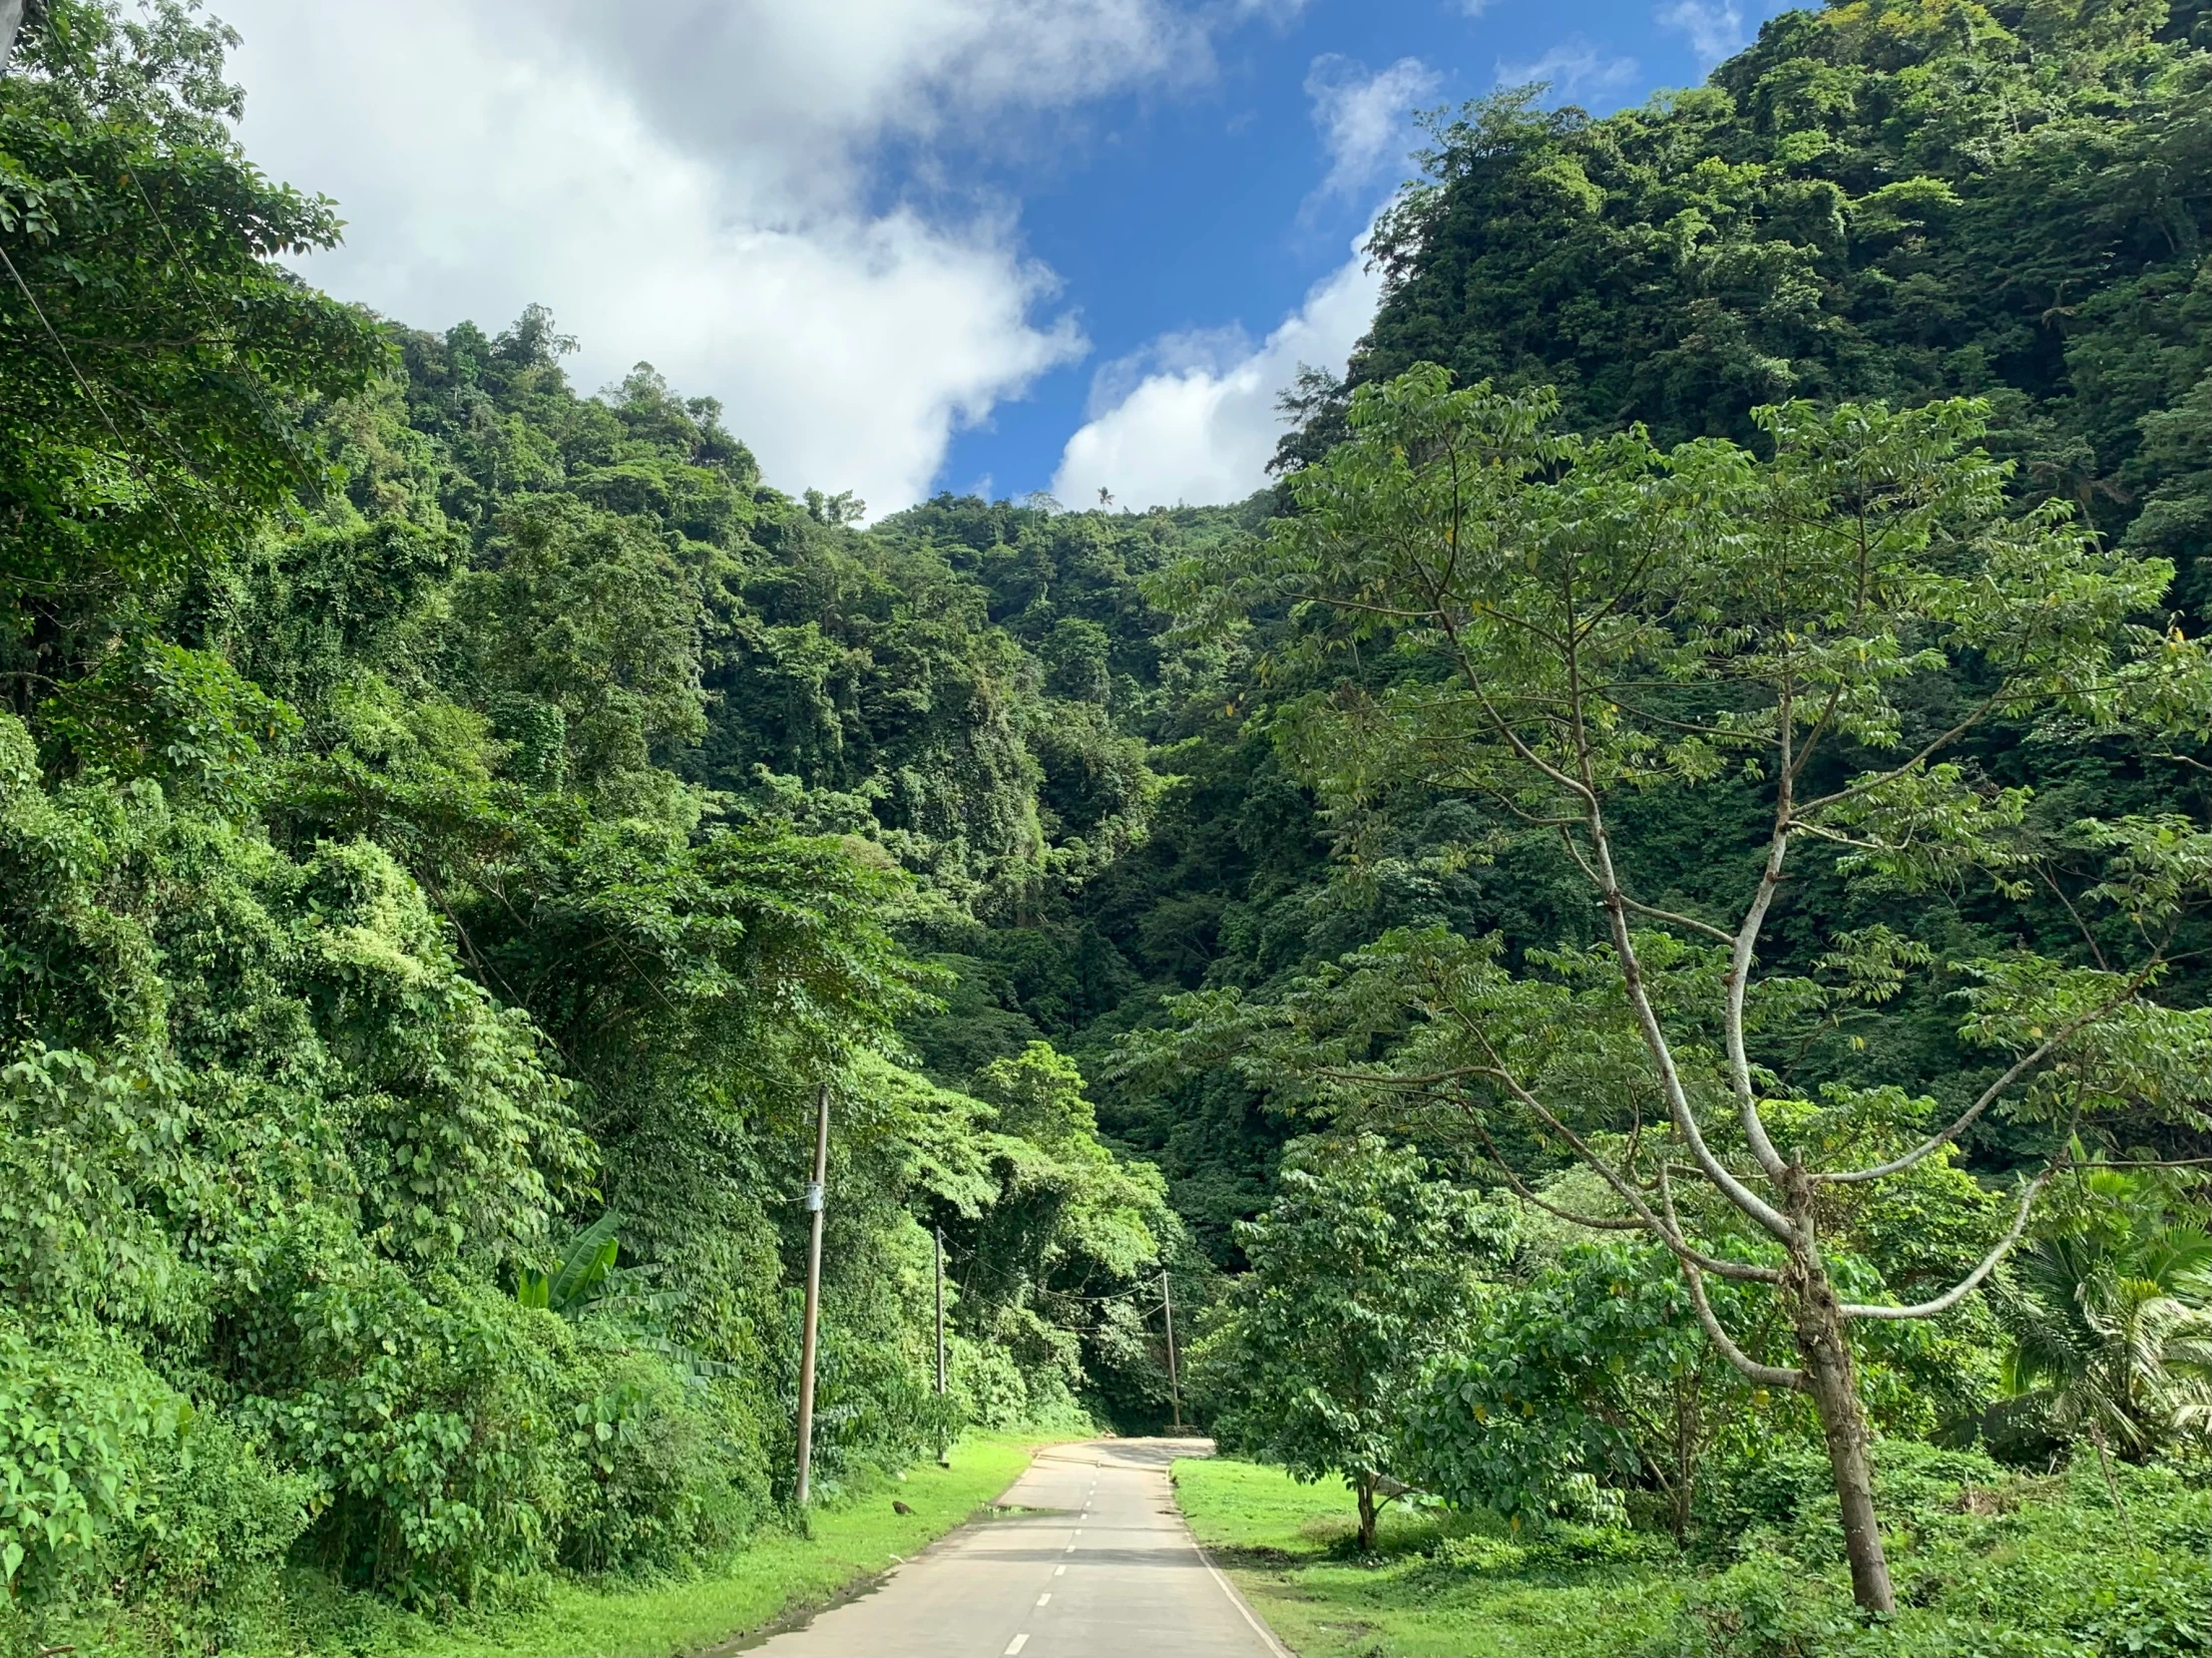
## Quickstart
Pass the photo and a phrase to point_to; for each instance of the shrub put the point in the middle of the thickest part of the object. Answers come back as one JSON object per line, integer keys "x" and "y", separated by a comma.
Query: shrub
{"x": 429, "y": 1418}
{"x": 1785, "y": 1497}
{"x": 986, "y": 1383}
{"x": 118, "y": 1497}
{"x": 665, "y": 1467}
{"x": 81, "y": 1421}
{"x": 203, "y": 1558}
{"x": 1986, "y": 1563}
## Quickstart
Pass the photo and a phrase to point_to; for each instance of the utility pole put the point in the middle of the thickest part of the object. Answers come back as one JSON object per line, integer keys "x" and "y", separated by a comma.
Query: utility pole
{"x": 815, "y": 1196}
{"x": 944, "y": 1458}
{"x": 1174, "y": 1387}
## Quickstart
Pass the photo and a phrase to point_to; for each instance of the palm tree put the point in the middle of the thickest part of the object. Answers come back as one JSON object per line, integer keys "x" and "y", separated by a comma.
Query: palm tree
{"x": 2109, "y": 1324}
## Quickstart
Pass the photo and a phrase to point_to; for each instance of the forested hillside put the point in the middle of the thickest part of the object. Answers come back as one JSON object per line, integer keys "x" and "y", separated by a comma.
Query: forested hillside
{"x": 450, "y": 826}
{"x": 452, "y": 820}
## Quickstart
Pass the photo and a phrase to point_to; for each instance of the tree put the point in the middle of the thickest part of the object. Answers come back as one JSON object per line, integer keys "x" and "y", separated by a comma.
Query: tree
{"x": 13, "y": 15}
{"x": 2111, "y": 1333}
{"x": 1360, "y": 1271}
{"x": 157, "y": 352}
{"x": 1566, "y": 629}
{"x": 1588, "y": 1380}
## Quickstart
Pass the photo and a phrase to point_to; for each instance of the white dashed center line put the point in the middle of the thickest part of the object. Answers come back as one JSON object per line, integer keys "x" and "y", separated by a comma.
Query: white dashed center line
{"x": 1060, "y": 1572}
{"x": 1042, "y": 1599}
{"x": 1020, "y": 1641}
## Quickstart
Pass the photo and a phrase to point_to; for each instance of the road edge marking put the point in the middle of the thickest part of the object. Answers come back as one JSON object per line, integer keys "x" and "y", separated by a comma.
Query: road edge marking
{"x": 1274, "y": 1646}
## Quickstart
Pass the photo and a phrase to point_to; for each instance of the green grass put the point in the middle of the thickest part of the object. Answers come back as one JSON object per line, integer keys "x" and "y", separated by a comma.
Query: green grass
{"x": 1449, "y": 1587}
{"x": 775, "y": 1576}
{"x": 2024, "y": 1567}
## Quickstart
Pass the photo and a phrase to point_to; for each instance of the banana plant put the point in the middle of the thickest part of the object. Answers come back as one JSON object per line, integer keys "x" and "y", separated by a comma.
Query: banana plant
{"x": 586, "y": 1280}
{"x": 585, "y": 1273}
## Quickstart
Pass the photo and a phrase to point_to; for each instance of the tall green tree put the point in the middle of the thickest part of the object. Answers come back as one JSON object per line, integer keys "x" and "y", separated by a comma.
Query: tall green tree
{"x": 1575, "y": 628}
{"x": 157, "y": 352}
{"x": 1362, "y": 1271}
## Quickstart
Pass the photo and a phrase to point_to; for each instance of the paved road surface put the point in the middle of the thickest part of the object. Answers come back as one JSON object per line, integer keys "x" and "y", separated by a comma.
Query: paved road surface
{"x": 1100, "y": 1565}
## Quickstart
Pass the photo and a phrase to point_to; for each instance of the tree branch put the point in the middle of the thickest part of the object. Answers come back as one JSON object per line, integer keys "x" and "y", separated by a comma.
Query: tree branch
{"x": 2082, "y": 927}
{"x": 1739, "y": 973}
{"x": 1717, "y": 935}
{"x": 1613, "y": 1223}
{"x": 1771, "y": 1375}
{"x": 1768, "y": 1375}
{"x": 1665, "y": 1231}
{"x": 1498, "y": 724}
{"x": 1972, "y": 1281}
{"x": 1990, "y": 1095}
{"x": 1934, "y": 746}
{"x": 1677, "y": 1098}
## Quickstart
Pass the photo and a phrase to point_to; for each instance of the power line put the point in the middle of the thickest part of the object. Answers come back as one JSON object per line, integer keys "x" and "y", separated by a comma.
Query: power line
{"x": 978, "y": 1263}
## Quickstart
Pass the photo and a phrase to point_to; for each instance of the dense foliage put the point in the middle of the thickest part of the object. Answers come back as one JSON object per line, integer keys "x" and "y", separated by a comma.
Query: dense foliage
{"x": 448, "y": 827}
{"x": 1875, "y": 200}
{"x": 450, "y": 823}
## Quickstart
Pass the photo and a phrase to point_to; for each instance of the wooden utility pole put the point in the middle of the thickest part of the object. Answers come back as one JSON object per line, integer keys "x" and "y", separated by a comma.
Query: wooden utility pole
{"x": 814, "y": 1197}
{"x": 944, "y": 1459}
{"x": 1174, "y": 1387}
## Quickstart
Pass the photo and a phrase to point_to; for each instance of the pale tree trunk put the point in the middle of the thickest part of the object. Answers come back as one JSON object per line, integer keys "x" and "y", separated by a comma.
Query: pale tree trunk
{"x": 1825, "y": 1355}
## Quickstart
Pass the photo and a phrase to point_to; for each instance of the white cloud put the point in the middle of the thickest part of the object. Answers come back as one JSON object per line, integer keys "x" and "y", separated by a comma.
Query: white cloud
{"x": 1363, "y": 117}
{"x": 1714, "y": 27}
{"x": 1573, "y": 69}
{"x": 689, "y": 182}
{"x": 1193, "y": 418}
{"x": 793, "y": 89}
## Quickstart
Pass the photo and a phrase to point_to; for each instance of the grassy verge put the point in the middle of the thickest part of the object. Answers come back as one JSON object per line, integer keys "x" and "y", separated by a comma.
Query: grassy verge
{"x": 2024, "y": 1567}
{"x": 1287, "y": 1547}
{"x": 773, "y": 1577}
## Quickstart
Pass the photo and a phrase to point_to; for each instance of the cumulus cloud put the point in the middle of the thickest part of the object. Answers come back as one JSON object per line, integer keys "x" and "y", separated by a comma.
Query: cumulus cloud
{"x": 794, "y": 93}
{"x": 1192, "y": 418}
{"x": 1573, "y": 69}
{"x": 689, "y": 182}
{"x": 1363, "y": 117}
{"x": 1714, "y": 27}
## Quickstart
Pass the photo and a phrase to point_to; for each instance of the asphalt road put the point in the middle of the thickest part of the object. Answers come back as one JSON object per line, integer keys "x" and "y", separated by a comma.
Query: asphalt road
{"x": 1095, "y": 1562}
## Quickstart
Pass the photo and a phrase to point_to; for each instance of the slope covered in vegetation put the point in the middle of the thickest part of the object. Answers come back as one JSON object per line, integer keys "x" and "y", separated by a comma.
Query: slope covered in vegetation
{"x": 450, "y": 824}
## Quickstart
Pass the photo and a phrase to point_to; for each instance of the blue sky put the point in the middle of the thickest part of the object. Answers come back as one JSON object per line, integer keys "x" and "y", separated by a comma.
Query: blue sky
{"x": 1208, "y": 211}
{"x": 912, "y": 245}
